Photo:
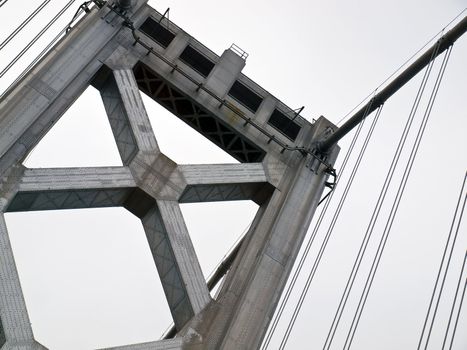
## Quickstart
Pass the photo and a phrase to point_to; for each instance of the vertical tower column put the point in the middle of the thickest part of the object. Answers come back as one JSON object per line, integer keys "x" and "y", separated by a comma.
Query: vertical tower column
{"x": 253, "y": 286}
{"x": 287, "y": 218}
{"x": 15, "y": 327}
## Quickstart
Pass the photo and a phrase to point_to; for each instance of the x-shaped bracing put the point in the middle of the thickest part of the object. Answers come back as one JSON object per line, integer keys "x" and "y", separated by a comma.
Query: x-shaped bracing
{"x": 150, "y": 185}
{"x": 286, "y": 185}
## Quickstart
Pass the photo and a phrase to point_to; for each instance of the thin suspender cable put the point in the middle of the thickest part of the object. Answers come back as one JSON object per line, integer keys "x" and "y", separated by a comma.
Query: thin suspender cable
{"x": 395, "y": 206}
{"x": 38, "y": 57}
{"x": 348, "y": 287}
{"x": 37, "y": 37}
{"x": 440, "y": 76}
{"x": 21, "y": 76}
{"x": 328, "y": 235}
{"x": 387, "y": 229}
{"x": 308, "y": 245}
{"x": 455, "y": 301}
{"x": 326, "y": 240}
{"x": 458, "y": 315}
{"x": 442, "y": 263}
{"x": 402, "y": 140}
{"x": 23, "y": 24}
{"x": 378, "y": 205}
{"x": 41, "y": 54}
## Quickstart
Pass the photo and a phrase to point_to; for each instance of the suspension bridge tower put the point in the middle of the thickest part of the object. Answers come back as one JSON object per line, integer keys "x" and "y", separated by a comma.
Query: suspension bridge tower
{"x": 123, "y": 49}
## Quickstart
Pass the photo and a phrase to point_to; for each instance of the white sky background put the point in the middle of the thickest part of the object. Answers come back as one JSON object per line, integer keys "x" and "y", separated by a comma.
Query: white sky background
{"x": 88, "y": 276}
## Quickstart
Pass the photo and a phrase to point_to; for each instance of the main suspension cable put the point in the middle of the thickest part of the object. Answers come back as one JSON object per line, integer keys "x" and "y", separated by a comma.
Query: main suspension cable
{"x": 401, "y": 66}
{"x": 328, "y": 234}
{"x": 395, "y": 206}
{"x": 310, "y": 241}
{"x": 23, "y": 24}
{"x": 3, "y": 2}
{"x": 448, "y": 242}
{"x": 37, "y": 37}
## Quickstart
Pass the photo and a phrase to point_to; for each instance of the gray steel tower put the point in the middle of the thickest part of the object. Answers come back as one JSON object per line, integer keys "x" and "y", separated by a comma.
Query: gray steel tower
{"x": 124, "y": 48}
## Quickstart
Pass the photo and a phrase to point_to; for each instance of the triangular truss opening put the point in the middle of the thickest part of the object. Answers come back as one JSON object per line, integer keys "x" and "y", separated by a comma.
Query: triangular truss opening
{"x": 195, "y": 115}
{"x": 81, "y": 137}
{"x": 172, "y": 135}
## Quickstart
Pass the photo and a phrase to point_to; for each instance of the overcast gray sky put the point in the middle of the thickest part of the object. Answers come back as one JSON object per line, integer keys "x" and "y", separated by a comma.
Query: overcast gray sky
{"x": 88, "y": 277}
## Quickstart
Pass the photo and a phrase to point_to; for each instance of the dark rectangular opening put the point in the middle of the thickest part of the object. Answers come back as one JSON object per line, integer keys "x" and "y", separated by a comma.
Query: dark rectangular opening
{"x": 155, "y": 30}
{"x": 245, "y": 96}
{"x": 196, "y": 116}
{"x": 197, "y": 61}
{"x": 284, "y": 124}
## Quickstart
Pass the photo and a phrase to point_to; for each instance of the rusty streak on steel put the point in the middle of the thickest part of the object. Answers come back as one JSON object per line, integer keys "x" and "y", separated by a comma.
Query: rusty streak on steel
{"x": 439, "y": 47}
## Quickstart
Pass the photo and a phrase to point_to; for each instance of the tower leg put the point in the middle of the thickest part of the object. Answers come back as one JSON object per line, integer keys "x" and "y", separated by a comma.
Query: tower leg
{"x": 15, "y": 331}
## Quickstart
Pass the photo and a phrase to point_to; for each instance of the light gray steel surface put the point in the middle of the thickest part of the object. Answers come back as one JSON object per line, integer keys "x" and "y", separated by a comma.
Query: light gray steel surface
{"x": 170, "y": 344}
{"x": 14, "y": 317}
{"x": 253, "y": 286}
{"x": 171, "y": 274}
{"x": 53, "y": 179}
{"x": 53, "y": 85}
{"x": 286, "y": 184}
{"x": 127, "y": 114}
{"x": 185, "y": 255}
